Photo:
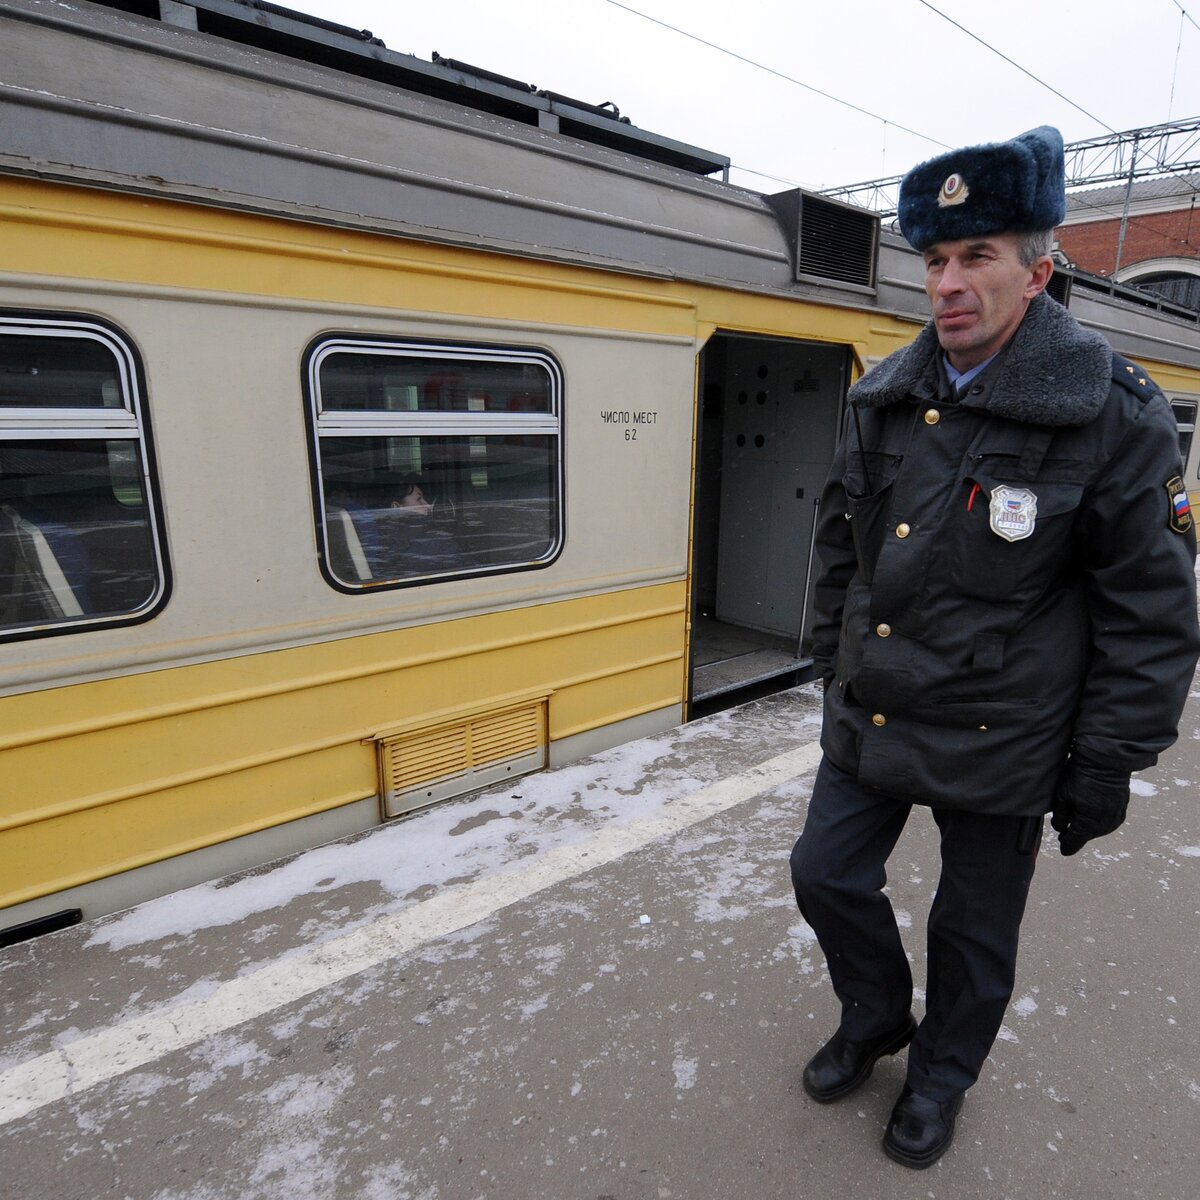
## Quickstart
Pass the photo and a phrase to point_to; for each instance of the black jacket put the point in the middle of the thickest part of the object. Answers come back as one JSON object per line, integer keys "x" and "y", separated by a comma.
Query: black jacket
{"x": 962, "y": 667}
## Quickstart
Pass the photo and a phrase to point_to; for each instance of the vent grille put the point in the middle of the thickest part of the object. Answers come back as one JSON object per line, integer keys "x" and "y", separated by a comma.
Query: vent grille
{"x": 828, "y": 240}
{"x": 422, "y": 766}
{"x": 415, "y": 759}
{"x": 836, "y": 242}
{"x": 1059, "y": 288}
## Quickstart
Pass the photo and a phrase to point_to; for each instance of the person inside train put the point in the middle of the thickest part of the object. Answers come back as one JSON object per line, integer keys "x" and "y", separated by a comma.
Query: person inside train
{"x": 397, "y": 534}
{"x": 411, "y": 496}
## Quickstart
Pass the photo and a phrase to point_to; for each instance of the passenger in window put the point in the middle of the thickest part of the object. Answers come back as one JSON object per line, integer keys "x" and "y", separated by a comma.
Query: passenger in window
{"x": 399, "y": 530}
{"x": 416, "y": 540}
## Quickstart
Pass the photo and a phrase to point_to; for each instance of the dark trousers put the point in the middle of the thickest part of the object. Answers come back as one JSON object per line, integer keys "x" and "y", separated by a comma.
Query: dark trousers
{"x": 838, "y": 871}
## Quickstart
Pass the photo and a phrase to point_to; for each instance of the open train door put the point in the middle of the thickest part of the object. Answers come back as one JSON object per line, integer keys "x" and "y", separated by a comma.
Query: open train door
{"x": 769, "y": 410}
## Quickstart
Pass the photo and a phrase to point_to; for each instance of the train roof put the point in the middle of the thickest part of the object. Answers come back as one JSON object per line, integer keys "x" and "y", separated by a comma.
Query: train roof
{"x": 246, "y": 105}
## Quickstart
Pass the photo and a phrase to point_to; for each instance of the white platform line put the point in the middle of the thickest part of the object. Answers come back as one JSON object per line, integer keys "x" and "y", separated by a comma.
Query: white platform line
{"x": 111, "y": 1052}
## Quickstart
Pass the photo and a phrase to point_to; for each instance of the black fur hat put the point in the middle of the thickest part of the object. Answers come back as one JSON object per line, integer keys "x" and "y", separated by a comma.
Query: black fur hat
{"x": 1002, "y": 187}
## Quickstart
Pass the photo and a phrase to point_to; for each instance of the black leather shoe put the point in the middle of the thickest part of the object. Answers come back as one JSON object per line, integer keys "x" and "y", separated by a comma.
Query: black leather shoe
{"x": 920, "y": 1130}
{"x": 841, "y": 1066}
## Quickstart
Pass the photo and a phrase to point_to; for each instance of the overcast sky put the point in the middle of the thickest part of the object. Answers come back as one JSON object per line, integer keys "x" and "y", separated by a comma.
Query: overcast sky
{"x": 1125, "y": 63}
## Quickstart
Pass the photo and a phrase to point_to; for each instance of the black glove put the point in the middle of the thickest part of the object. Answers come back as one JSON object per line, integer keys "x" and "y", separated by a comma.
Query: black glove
{"x": 823, "y": 672}
{"x": 1089, "y": 802}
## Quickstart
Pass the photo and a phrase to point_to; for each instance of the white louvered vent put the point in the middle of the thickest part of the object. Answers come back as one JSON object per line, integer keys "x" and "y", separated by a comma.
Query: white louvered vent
{"x": 422, "y": 766}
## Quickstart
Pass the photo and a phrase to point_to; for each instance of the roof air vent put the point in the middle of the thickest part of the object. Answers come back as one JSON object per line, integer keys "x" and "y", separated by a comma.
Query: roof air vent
{"x": 828, "y": 240}
{"x": 1060, "y": 287}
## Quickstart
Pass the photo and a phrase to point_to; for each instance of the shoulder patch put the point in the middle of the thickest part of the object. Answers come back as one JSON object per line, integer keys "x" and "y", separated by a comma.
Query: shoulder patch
{"x": 1133, "y": 377}
{"x": 1180, "y": 515}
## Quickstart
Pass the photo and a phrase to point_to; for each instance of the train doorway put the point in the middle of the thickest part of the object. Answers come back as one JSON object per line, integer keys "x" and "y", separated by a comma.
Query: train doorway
{"x": 769, "y": 410}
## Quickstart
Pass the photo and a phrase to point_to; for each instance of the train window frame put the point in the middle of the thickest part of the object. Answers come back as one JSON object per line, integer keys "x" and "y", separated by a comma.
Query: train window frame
{"x": 1186, "y": 424}
{"x": 477, "y": 422}
{"x": 118, "y": 422}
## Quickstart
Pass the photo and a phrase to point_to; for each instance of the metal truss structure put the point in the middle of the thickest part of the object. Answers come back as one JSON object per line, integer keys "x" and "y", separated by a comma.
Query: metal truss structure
{"x": 1168, "y": 149}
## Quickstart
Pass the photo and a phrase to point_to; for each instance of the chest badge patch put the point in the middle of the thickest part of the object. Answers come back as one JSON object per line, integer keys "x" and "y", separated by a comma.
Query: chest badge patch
{"x": 1013, "y": 512}
{"x": 1180, "y": 518}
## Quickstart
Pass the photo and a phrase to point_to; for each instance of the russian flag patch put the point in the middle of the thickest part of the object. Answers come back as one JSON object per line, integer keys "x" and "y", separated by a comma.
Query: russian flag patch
{"x": 1180, "y": 518}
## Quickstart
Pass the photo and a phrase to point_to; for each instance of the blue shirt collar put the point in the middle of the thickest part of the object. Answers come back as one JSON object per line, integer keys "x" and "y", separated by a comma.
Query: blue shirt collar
{"x": 961, "y": 379}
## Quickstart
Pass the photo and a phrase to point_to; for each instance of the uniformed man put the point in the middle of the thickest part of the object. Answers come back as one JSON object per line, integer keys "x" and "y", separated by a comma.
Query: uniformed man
{"x": 1006, "y": 625}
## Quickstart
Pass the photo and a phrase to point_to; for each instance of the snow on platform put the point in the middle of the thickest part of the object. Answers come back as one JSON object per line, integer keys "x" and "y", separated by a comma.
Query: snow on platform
{"x": 594, "y": 983}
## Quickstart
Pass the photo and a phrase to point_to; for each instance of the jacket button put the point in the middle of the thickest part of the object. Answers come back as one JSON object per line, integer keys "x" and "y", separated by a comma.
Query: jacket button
{"x": 879, "y": 719}
{"x": 883, "y": 630}
{"x": 932, "y": 416}
{"x": 902, "y": 530}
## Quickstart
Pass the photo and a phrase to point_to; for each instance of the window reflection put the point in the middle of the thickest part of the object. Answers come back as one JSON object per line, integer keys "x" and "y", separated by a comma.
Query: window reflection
{"x": 435, "y": 463}
{"x": 77, "y": 539}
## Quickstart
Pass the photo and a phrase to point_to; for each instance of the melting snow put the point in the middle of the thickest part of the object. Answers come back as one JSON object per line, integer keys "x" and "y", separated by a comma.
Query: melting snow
{"x": 450, "y": 843}
{"x": 685, "y": 1072}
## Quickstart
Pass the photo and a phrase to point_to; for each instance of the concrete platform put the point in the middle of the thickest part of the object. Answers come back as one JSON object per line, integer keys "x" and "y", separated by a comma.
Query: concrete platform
{"x": 591, "y": 985}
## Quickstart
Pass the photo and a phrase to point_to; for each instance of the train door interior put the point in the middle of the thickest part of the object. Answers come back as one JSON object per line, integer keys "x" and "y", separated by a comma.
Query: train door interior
{"x": 769, "y": 411}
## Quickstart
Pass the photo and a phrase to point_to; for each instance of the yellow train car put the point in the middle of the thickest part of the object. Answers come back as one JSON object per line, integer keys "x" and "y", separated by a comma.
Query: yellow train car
{"x": 1185, "y": 404}
{"x": 371, "y": 432}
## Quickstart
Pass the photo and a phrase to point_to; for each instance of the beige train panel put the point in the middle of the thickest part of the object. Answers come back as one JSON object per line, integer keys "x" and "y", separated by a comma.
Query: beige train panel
{"x": 228, "y": 422}
{"x": 224, "y": 393}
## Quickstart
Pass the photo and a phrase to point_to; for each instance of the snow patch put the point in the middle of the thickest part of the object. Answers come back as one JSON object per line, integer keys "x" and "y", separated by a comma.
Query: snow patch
{"x": 447, "y": 844}
{"x": 535, "y": 1006}
{"x": 685, "y": 1072}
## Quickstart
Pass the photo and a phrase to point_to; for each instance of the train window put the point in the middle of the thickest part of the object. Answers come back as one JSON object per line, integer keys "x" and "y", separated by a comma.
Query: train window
{"x": 433, "y": 461}
{"x": 79, "y": 532}
{"x": 1185, "y": 415}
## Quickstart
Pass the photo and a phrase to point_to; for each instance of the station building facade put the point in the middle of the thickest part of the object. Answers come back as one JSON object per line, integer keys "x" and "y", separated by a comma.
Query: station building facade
{"x": 1154, "y": 244}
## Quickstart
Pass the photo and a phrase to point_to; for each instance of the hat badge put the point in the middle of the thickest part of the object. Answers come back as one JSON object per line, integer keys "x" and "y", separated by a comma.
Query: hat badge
{"x": 954, "y": 191}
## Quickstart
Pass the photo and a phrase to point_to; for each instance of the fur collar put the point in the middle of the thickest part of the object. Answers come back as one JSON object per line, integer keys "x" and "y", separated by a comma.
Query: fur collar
{"x": 1055, "y": 372}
